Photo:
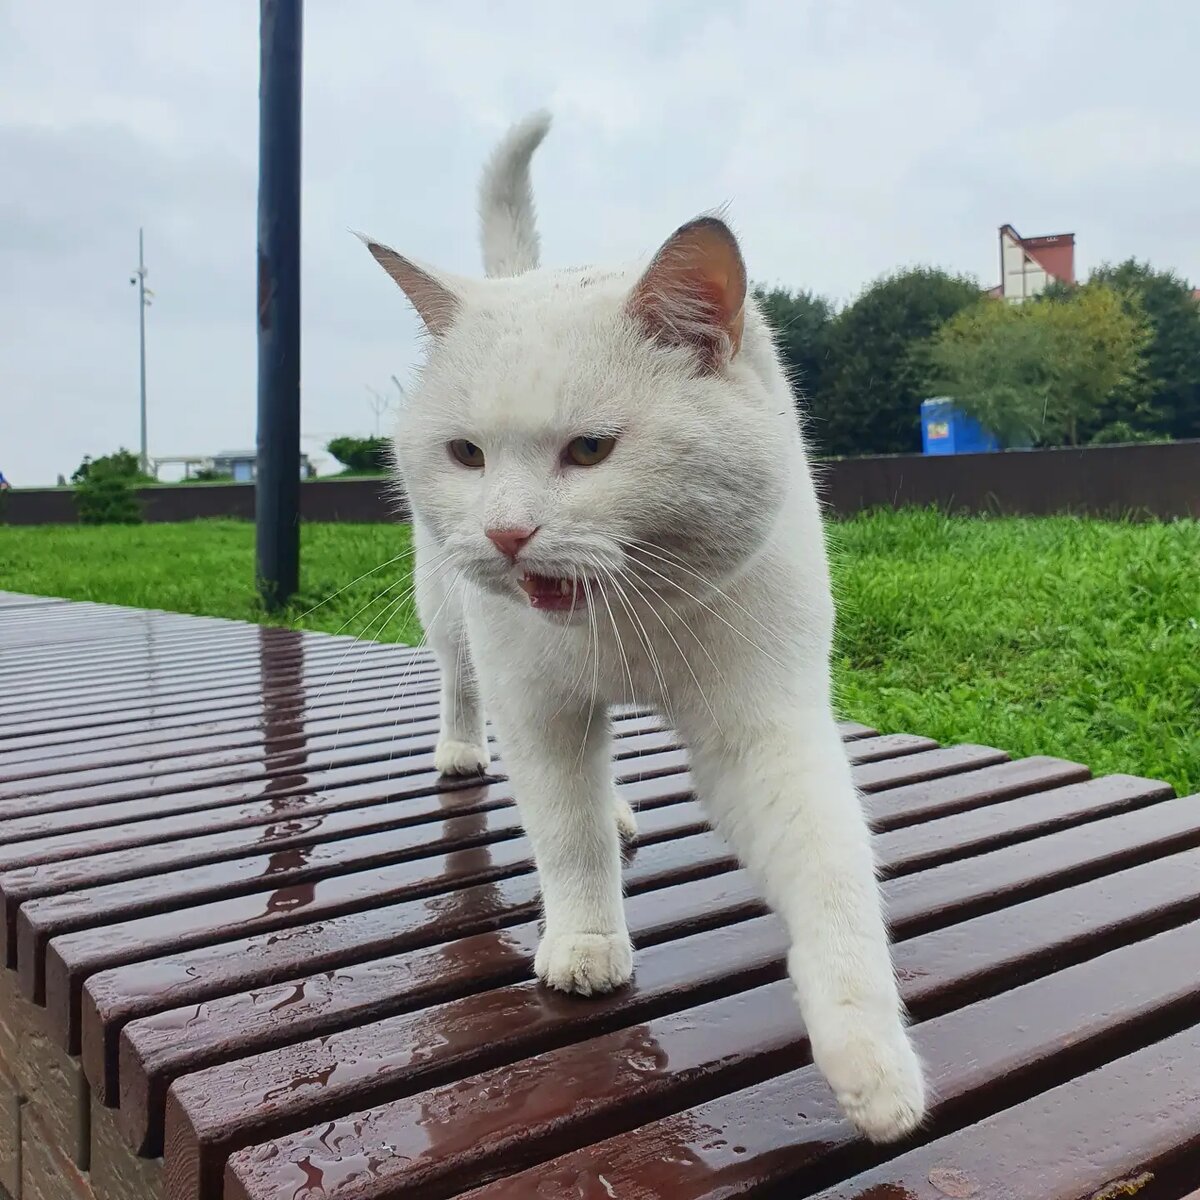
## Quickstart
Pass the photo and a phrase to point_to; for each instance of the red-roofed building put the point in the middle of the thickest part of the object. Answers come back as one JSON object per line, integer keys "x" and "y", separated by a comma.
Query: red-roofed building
{"x": 1029, "y": 265}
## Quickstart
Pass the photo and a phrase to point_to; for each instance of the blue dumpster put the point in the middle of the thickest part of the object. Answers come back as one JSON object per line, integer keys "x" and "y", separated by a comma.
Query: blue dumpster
{"x": 946, "y": 430}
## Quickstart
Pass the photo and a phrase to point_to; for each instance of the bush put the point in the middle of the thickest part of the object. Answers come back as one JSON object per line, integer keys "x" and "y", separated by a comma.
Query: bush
{"x": 105, "y": 489}
{"x": 1121, "y": 432}
{"x": 123, "y": 464}
{"x": 372, "y": 454}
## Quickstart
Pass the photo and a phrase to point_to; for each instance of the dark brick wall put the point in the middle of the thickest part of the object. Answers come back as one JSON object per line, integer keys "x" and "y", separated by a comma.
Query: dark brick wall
{"x": 1145, "y": 480}
{"x": 1160, "y": 480}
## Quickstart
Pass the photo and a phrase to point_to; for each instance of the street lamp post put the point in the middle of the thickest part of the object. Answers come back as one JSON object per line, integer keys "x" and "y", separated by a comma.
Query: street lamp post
{"x": 144, "y": 297}
{"x": 277, "y": 482}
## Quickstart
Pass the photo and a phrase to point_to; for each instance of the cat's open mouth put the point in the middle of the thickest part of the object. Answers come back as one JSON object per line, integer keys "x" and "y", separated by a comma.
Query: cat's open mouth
{"x": 551, "y": 594}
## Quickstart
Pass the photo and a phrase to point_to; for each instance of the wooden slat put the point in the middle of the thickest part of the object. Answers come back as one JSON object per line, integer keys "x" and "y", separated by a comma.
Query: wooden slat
{"x": 284, "y": 818}
{"x": 185, "y": 671}
{"x": 1108, "y": 1134}
{"x": 939, "y": 797}
{"x": 87, "y": 717}
{"x": 226, "y": 656}
{"x": 181, "y": 838}
{"x": 286, "y": 716}
{"x": 38, "y": 920}
{"x": 992, "y": 879}
{"x": 133, "y": 1068}
{"x": 113, "y": 998}
{"x": 350, "y": 721}
{"x": 72, "y": 957}
{"x": 1003, "y": 823}
{"x": 874, "y": 777}
{"x": 750, "y": 1138}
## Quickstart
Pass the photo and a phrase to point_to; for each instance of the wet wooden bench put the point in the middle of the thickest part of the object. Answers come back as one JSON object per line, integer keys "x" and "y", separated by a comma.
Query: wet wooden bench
{"x": 255, "y": 949}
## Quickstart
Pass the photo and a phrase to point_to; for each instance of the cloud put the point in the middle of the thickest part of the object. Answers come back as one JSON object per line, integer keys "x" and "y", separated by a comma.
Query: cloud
{"x": 849, "y": 139}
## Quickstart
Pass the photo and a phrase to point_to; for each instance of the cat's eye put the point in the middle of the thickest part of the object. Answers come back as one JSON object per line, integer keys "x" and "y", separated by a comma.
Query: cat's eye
{"x": 588, "y": 451}
{"x": 467, "y": 453}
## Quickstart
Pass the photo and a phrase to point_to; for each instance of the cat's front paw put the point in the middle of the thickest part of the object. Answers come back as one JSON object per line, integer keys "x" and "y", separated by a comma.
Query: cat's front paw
{"x": 460, "y": 758}
{"x": 585, "y": 963}
{"x": 876, "y": 1076}
{"x": 626, "y": 822}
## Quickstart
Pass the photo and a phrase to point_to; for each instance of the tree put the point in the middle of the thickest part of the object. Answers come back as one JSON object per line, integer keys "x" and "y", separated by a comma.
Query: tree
{"x": 1169, "y": 402}
{"x": 1040, "y": 370}
{"x": 870, "y": 399}
{"x": 991, "y": 359}
{"x": 371, "y": 455}
{"x": 1097, "y": 343}
{"x": 800, "y": 323}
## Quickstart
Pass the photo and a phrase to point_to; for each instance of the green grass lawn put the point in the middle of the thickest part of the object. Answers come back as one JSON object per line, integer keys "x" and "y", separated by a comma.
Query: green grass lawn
{"x": 1042, "y": 636}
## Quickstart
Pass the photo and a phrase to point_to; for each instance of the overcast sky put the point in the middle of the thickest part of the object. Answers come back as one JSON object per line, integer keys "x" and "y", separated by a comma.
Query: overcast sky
{"x": 850, "y": 137}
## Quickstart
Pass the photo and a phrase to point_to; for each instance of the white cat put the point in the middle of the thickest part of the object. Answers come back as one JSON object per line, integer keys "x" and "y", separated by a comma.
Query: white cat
{"x": 611, "y": 501}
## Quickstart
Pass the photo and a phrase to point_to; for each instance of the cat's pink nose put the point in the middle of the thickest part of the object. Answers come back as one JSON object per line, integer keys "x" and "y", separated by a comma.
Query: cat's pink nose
{"x": 509, "y": 541}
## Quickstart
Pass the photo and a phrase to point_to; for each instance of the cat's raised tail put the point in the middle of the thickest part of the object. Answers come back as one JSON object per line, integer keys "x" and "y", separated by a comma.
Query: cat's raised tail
{"x": 507, "y": 225}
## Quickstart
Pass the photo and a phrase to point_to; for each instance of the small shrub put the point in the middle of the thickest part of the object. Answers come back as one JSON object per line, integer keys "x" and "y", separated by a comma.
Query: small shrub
{"x": 372, "y": 454}
{"x": 105, "y": 489}
{"x": 1119, "y": 432}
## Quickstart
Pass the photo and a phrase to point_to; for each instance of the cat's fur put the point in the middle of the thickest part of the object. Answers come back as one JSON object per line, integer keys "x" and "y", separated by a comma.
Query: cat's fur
{"x": 701, "y": 545}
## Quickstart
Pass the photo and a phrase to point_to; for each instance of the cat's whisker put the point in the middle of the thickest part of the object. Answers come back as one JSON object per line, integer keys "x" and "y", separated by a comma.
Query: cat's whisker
{"x": 358, "y": 637}
{"x": 683, "y": 657}
{"x": 630, "y": 579}
{"x": 365, "y": 643}
{"x": 414, "y": 662}
{"x": 333, "y": 596}
{"x": 713, "y": 612}
{"x": 674, "y": 561}
{"x": 362, "y": 640}
{"x": 632, "y": 693}
{"x": 400, "y": 683}
{"x": 591, "y": 609}
{"x": 562, "y": 637}
{"x": 643, "y": 637}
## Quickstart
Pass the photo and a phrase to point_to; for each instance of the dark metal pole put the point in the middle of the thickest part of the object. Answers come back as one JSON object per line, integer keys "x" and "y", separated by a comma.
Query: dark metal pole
{"x": 277, "y": 491}
{"x": 144, "y": 458}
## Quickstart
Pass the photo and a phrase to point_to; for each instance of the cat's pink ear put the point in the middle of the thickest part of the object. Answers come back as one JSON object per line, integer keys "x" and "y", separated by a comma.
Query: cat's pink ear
{"x": 694, "y": 292}
{"x": 435, "y": 303}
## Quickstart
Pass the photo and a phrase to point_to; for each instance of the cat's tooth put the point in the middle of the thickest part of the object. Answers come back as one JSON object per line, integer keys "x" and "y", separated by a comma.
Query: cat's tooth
{"x": 564, "y": 587}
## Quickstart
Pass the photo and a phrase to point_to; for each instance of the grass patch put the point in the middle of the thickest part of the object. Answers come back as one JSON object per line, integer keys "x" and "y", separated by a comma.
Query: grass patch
{"x": 207, "y": 568}
{"x": 1042, "y": 636}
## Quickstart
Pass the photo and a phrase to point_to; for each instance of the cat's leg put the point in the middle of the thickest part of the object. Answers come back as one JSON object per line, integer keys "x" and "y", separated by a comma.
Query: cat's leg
{"x": 561, "y": 772}
{"x": 462, "y": 743}
{"x": 783, "y": 795}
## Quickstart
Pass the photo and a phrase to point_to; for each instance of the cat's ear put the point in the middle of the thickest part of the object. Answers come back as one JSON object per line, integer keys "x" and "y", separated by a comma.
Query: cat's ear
{"x": 694, "y": 292}
{"x": 436, "y": 303}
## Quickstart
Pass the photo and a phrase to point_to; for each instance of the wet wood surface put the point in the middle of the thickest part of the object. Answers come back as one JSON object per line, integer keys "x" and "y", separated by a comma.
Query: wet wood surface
{"x": 254, "y": 948}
